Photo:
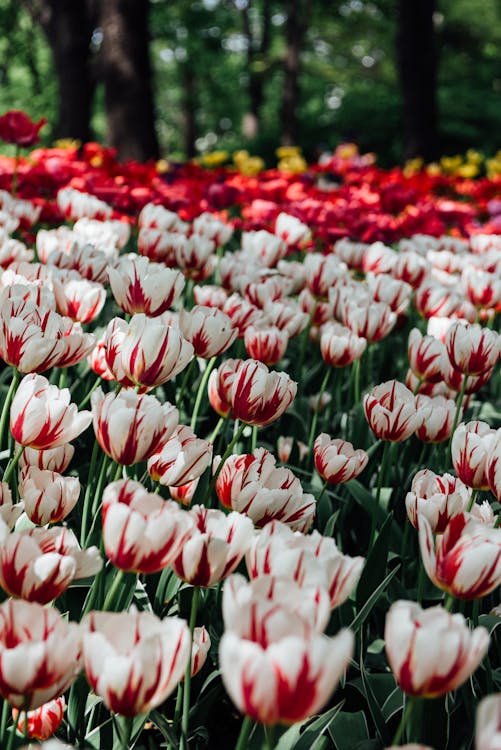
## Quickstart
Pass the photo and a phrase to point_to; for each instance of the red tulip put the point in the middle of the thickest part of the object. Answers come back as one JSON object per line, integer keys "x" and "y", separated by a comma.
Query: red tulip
{"x": 16, "y": 127}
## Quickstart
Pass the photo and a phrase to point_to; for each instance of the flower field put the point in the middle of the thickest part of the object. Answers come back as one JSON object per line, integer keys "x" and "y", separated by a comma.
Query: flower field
{"x": 250, "y": 436}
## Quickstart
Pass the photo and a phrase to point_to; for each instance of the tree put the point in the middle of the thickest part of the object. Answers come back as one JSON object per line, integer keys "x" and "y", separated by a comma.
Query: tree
{"x": 417, "y": 64}
{"x": 125, "y": 70}
{"x": 295, "y": 30}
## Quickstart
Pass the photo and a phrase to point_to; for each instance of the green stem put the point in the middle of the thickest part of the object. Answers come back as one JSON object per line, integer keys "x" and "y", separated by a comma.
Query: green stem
{"x": 86, "y": 398}
{"x": 62, "y": 378}
{"x": 125, "y": 723}
{"x": 187, "y": 677}
{"x": 472, "y": 501}
{"x": 245, "y": 730}
{"x": 322, "y": 492}
{"x": 12, "y": 464}
{"x": 16, "y": 376}
{"x": 475, "y": 612}
{"x": 3, "y": 725}
{"x": 86, "y": 502}
{"x": 217, "y": 429}
{"x": 110, "y": 596}
{"x": 356, "y": 380}
{"x": 317, "y": 409}
{"x": 201, "y": 391}
{"x": 406, "y": 713}
{"x": 421, "y": 582}
{"x": 184, "y": 384}
{"x": 12, "y": 735}
{"x": 458, "y": 410}
{"x": 269, "y": 735}
{"x": 236, "y": 438}
{"x": 449, "y": 602}
{"x": 382, "y": 469}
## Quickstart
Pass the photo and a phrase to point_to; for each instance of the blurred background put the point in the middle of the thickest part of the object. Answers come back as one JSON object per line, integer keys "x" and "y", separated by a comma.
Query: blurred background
{"x": 179, "y": 78}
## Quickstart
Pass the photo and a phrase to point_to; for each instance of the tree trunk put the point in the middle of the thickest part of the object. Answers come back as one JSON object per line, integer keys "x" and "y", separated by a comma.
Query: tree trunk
{"x": 68, "y": 26}
{"x": 257, "y": 53}
{"x": 294, "y": 35}
{"x": 125, "y": 70}
{"x": 417, "y": 62}
{"x": 189, "y": 109}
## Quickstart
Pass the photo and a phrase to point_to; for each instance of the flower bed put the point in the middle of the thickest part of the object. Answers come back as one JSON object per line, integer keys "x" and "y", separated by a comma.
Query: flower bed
{"x": 281, "y": 529}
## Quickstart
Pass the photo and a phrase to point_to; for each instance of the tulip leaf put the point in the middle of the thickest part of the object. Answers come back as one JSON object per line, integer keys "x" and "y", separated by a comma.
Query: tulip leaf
{"x": 309, "y": 736}
{"x": 490, "y": 622}
{"x": 375, "y": 564}
{"x": 365, "y": 611}
{"x": 141, "y": 598}
{"x": 349, "y": 729}
{"x": 164, "y": 727}
{"x": 167, "y": 588}
{"x": 373, "y": 704}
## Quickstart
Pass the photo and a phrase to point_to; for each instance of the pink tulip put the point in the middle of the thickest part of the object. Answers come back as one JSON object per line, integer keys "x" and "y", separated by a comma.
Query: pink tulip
{"x": 471, "y": 444}
{"x": 438, "y": 498}
{"x": 466, "y": 560}
{"x": 78, "y": 298}
{"x": 39, "y": 564}
{"x": 472, "y": 349}
{"x": 41, "y": 415}
{"x": 431, "y": 652}
{"x": 130, "y": 427}
{"x": 285, "y": 314}
{"x": 254, "y": 485}
{"x": 52, "y": 459}
{"x": 44, "y": 721}
{"x": 215, "y": 547}
{"x": 134, "y": 660}
{"x": 140, "y": 286}
{"x": 48, "y": 496}
{"x": 437, "y": 427}
{"x": 208, "y": 330}
{"x": 336, "y": 460}
{"x": 39, "y": 654}
{"x": 266, "y": 247}
{"x": 258, "y": 396}
{"x": 339, "y": 346}
{"x": 182, "y": 458}
{"x": 141, "y": 532}
{"x": 267, "y": 344}
{"x": 426, "y": 356}
{"x": 267, "y": 683}
{"x": 488, "y": 723}
{"x": 372, "y": 321}
{"x": 392, "y": 413}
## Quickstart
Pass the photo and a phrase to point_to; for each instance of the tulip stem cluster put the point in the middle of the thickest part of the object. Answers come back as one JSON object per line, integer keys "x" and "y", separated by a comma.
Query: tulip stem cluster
{"x": 187, "y": 679}
{"x": 201, "y": 391}
{"x": 16, "y": 375}
{"x": 404, "y": 721}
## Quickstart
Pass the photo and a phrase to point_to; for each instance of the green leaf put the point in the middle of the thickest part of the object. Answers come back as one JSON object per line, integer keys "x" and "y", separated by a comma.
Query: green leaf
{"x": 348, "y": 729}
{"x": 164, "y": 727}
{"x": 167, "y": 588}
{"x": 374, "y": 706}
{"x": 309, "y": 735}
{"x": 375, "y": 565}
{"x": 365, "y": 611}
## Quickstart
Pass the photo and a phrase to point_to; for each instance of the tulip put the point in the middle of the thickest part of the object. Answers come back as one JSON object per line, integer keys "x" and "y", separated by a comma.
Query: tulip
{"x": 482, "y": 289}
{"x": 39, "y": 654}
{"x": 466, "y": 560}
{"x": 210, "y": 295}
{"x": 39, "y": 564}
{"x": 488, "y": 723}
{"x": 435, "y": 300}
{"x": 199, "y": 649}
{"x": 427, "y": 355}
{"x": 16, "y": 127}
{"x": 339, "y": 346}
{"x": 411, "y": 268}
{"x": 159, "y": 217}
{"x": 337, "y": 461}
{"x": 52, "y": 459}
{"x": 319, "y": 312}
{"x": 9, "y": 511}
{"x": 438, "y": 425}
{"x": 90, "y": 262}
{"x": 291, "y": 230}
{"x": 268, "y": 608}
{"x": 48, "y": 496}
{"x": 78, "y": 298}
{"x": 141, "y": 532}
{"x": 76, "y": 204}
{"x": 392, "y": 413}
{"x": 438, "y": 498}
{"x": 208, "y": 330}
{"x": 183, "y": 458}
{"x": 140, "y": 286}
{"x": 394, "y": 293}
{"x": 271, "y": 289}
{"x": 130, "y": 427}
{"x": 268, "y": 683}
{"x": 372, "y": 321}
{"x": 193, "y": 253}
{"x": 266, "y": 247}
{"x": 285, "y": 314}
{"x": 472, "y": 349}
{"x": 43, "y": 721}
{"x": 151, "y": 353}
{"x": 493, "y": 466}
{"x": 110, "y": 236}
{"x": 471, "y": 445}
{"x": 378, "y": 258}
{"x": 209, "y": 226}
{"x": 220, "y": 383}
{"x": 134, "y": 660}
{"x": 267, "y": 344}
{"x": 313, "y": 559}
{"x": 41, "y": 415}
{"x": 259, "y": 397}
{"x": 323, "y": 272}
{"x": 254, "y": 485}
{"x": 241, "y": 313}
{"x": 431, "y": 652}
{"x": 215, "y": 547}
